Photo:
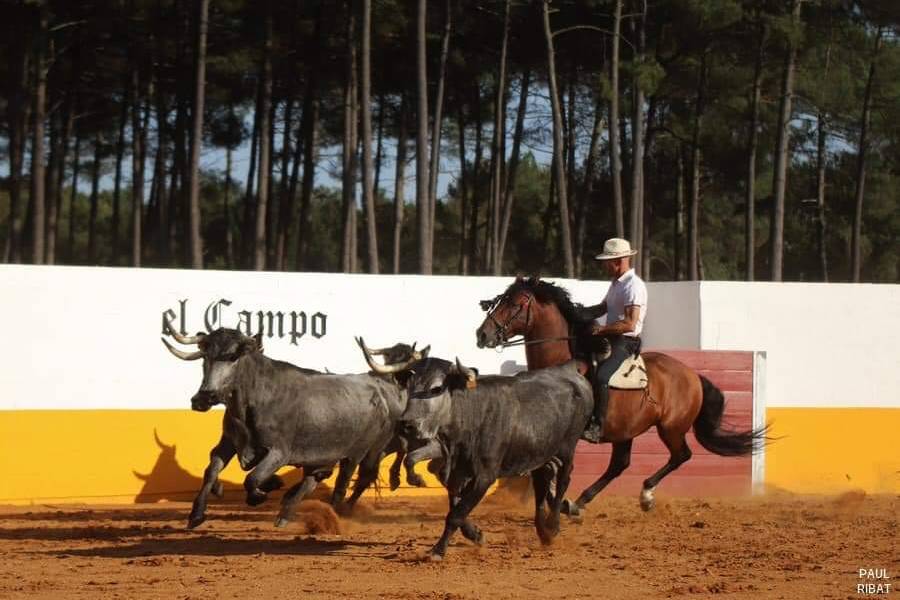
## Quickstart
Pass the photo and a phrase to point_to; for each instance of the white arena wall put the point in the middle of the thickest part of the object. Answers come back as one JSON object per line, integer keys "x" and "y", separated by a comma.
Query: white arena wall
{"x": 93, "y": 407}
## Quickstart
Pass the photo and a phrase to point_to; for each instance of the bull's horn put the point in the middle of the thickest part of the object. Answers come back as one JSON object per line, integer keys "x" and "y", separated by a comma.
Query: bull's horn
{"x": 181, "y": 353}
{"x": 423, "y": 353}
{"x": 469, "y": 374}
{"x": 382, "y": 369}
{"x": 186, "y": 339}
{"x": 371, "y": 351}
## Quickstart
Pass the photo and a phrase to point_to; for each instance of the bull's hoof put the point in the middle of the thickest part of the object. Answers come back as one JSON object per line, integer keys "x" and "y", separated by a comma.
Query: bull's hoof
{"x": 647, "y": 499}
{"x": 195, "y": 521}
{"x": 545, "y": 536}
{"x": 281, "y": 522}
{"x": 256, "y": 497}
{"x": 414, "y": 479}
{"x": 434, "y": 557}
{"x": 473, "y": 534}
{"x": 271, "y": 484}
{"x": 395, "y": 480}
{"x": 218, "y": 490}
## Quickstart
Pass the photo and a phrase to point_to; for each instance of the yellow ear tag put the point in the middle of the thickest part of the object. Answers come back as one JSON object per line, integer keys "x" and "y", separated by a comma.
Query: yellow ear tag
{"x": 471, "y": 384}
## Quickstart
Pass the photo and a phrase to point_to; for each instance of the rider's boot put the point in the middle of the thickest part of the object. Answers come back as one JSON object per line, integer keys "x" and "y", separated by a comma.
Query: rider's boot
{"x": 594, "y": 430}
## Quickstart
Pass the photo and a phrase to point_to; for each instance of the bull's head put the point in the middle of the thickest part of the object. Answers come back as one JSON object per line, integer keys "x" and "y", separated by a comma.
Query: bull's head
{"x": 397, "y": 358}
{"x": 430, "y": 386}
{"x": 221, "y": 351}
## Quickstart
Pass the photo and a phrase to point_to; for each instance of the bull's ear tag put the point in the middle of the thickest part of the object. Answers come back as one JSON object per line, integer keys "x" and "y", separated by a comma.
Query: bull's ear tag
{"x": 471, "y": 384}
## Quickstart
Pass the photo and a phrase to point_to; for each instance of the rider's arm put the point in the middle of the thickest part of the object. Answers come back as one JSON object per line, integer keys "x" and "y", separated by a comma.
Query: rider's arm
{"x": 589, "y": 313}
{"x": 626, "y": 325}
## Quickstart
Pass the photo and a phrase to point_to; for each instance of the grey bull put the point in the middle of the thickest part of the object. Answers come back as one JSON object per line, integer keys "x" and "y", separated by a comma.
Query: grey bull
{"x": 483, "y": 428}
{"x": 278, "y": 414}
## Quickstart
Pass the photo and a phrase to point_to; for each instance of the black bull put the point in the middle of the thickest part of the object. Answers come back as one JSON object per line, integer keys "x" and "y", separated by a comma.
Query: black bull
{"x": 278, "y": 414}
{"x": 495, "y": 426}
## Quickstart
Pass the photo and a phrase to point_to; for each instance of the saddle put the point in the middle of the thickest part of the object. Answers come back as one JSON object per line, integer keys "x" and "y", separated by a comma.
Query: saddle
{"x": 631, "y": 374}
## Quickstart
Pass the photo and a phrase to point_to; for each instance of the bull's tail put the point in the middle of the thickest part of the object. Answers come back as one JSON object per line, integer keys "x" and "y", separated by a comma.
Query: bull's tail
{"x": 709, "y": 432}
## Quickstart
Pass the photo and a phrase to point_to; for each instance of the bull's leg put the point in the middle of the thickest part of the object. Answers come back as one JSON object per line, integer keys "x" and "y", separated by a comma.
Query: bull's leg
{"x": 563, "y": 476}
{"x": 541, "y": 479}
{"x": 470, "y": 530}
{"x": 468, "y": 500}
{"x": 618, "y": 462}
{"x": 263, "y": 471}
{"x": 368, "y": 473}
{"x": 292, "y": 497}
{"x": 219, "y": 456}
{"x": 430, "y": 451}
{"x": 345, "y": 471}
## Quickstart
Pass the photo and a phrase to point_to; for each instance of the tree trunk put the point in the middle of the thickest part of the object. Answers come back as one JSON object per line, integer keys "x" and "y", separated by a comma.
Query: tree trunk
{"x": 679, "y": 216}
{"x": 463, "y": 263}
{"x": 73, "y": 197}
{"x": 400, "y": 180}
{"x": 95, "y": 195}
{"x": 37, "y": 143}
{"x": 437, "y": 124}
{"x": 348, "y": 188}
{"x": 308, "y": 130}
{"x": 509, "y": 192}
{"x": 859, "y": 195}
{"x": 423, "y": 218}
{"x": 137, "y": 171}
{"x": 59, "y": 175}
{"x": 196, "y": 240}
{"x": 57, "y": 156}
{"x": 614, "y": 148}
{"x": 286, "y": 185}
{"x": 821, "y": 166}
{"x": 272, "y": 198}
{"x": 476, "y": 190}
{"x": 498, "y": 154}
{"x": 17, "y": 126}
{"x": 368, "y": 167}
{"x": 637, "y": 144}
{"x": 752, "y": 144}
{"x": 379, "y": 145}
{"x": 262, "y": 186}
{"x": 226, "y": 212}
{"x": 248, "y": 227}
{"x": 566, "y": 237}
{"x": 587, "y": 189}
{"x": 694, "y": 199}
{"x": 782, "y": 157}
{"x": 116, "y": 224}
{"x": 569, "y": 130}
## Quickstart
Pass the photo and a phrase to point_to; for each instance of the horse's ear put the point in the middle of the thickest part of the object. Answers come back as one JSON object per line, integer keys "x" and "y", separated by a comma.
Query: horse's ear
{"x": 519, "y": 278}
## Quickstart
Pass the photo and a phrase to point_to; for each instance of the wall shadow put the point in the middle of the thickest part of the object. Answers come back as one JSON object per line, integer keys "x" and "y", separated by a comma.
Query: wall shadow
{"x": 169, "y": 481}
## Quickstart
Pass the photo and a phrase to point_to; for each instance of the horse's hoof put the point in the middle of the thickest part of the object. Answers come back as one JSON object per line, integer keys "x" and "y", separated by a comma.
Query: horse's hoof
{"x": 647, "y": 499}
{"x": 218, "y": 490}
{"x": 435, "y": 557}
{"x": 570, "y": 509}
{"x": 281, "y": 522}
{"x": 194, "y": 522}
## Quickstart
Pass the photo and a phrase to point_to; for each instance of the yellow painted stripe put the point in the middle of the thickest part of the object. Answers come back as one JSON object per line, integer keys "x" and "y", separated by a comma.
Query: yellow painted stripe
{"x": 113, "y": 456}
{"x": 825, "y": 450}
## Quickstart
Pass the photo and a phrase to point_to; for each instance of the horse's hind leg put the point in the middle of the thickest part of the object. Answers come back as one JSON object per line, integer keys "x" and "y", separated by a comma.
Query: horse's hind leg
{"x": 618, "y": 462}
{"x": 679, "y": 453}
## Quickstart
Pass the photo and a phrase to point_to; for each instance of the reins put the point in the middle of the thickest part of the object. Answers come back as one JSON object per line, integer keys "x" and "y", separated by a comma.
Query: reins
{"x": 524, "y": 342}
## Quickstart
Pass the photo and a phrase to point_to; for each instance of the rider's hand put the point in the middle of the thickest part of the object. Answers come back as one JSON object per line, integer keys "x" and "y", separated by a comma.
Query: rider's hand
{"x": 597, "y": 330}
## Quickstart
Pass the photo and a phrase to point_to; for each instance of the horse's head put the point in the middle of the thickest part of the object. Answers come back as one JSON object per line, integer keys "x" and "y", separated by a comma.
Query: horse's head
{"x": 508, "y": 315}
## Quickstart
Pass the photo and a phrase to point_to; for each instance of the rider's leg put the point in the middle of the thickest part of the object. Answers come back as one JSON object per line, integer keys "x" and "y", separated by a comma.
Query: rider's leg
{"x": 621, "y": 348}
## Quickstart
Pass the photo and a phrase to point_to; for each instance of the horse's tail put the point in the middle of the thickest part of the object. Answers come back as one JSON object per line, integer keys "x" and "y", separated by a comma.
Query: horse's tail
{"x": 708, "y": 427}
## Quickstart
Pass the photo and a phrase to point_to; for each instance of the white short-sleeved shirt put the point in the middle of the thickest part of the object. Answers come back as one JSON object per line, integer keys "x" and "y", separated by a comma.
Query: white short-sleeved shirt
{"x": 627, "y": 290}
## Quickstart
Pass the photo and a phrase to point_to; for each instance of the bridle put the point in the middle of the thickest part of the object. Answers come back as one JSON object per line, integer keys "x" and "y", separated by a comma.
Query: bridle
{"x": 492, "y": 306}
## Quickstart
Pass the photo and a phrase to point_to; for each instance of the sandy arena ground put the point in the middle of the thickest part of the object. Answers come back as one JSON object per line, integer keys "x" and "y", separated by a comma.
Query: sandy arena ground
{"x": 777, "y": 546}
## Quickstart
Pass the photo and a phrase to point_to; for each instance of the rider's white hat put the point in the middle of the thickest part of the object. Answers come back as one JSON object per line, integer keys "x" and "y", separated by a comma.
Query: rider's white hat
{"x": 615, "y": 248}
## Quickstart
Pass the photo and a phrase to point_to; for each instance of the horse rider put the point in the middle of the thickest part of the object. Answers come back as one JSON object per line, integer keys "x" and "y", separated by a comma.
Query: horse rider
{"x": 625, "y": 306}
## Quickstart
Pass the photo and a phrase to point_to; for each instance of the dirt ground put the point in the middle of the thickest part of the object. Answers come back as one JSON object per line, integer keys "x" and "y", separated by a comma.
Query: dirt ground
{"x": 775, "y": 546}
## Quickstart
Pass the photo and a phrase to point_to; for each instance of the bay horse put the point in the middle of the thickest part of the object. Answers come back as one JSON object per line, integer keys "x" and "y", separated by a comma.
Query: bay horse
{"x": 556, "y": 330}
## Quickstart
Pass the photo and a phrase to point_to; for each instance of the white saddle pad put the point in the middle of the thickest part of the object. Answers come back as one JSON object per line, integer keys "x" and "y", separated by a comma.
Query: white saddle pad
{"x": 632, "y": 375}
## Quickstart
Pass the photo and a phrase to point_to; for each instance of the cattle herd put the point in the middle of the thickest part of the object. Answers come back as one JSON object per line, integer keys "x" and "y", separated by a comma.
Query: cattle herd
{"x": 474, "y": 429}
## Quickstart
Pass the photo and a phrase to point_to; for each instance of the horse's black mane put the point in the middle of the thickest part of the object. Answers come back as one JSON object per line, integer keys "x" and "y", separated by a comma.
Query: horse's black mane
{"x": 548, "y": 292}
